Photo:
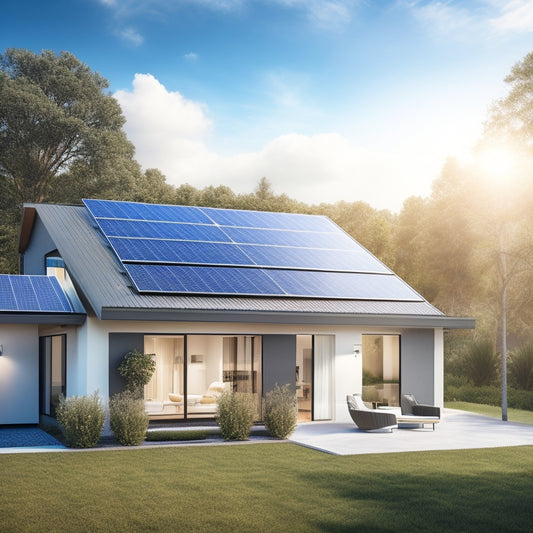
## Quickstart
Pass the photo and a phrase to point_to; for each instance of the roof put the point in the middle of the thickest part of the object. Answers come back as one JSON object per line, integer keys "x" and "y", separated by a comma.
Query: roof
{"x": 35, "y": 299}
{"x": 103, "y": 284}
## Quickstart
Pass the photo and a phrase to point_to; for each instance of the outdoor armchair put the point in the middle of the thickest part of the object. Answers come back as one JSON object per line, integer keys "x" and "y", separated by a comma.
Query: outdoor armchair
{"x": 411, "y": 407}
{"x": 368, "y": 419}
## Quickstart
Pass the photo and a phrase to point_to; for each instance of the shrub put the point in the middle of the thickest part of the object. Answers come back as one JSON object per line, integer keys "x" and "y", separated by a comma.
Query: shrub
{"x": 128, "y": 418}
{"x": 521, "y": 368}
{"x": 137, "y": 369}
{"x": 489, "y": 395}
{"x": 236, "y": 413}
{"x": 82, "y": 420}
{"x": 177, "y": 434}
{"x": 280, "y": 411}
{"x": 481, "y": 363}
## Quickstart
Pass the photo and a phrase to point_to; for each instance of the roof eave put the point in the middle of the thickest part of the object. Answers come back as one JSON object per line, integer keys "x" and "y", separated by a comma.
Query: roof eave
{"x": 70, "y": 319}
{"x": 276, "y": 317}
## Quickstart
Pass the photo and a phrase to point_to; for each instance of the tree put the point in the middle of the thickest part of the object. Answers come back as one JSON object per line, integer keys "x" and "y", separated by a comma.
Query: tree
{"x": 60, "y": 132}
{"x": 511, "y": 118}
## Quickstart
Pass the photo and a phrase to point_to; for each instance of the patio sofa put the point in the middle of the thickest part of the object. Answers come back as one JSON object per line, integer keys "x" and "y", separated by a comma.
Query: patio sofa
{"x": 417, "y": 413}
{"x": 369, "y": 419}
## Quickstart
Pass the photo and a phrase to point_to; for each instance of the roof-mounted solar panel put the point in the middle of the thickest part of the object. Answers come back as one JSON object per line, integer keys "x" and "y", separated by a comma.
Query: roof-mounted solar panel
{"x": 32, "y": 294}
{"x": 203, "y": 250}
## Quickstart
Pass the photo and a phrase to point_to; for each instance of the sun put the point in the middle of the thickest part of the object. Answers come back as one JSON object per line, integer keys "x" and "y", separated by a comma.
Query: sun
{"x": 497, "y": 163}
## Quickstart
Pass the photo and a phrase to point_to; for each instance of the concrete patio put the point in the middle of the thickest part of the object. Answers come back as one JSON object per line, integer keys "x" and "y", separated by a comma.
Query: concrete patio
{"x": 457, "y": 430}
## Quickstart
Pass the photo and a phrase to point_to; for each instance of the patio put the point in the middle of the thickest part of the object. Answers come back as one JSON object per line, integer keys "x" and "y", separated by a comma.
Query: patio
{"x": 457, "y": 430}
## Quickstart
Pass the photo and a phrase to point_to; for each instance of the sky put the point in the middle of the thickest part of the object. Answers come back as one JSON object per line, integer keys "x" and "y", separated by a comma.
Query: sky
{"x": 330, "y": 100}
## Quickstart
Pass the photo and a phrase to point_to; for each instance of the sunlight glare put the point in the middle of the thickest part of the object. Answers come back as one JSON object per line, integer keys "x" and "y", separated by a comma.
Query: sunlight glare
{"x": 497, "y": 163}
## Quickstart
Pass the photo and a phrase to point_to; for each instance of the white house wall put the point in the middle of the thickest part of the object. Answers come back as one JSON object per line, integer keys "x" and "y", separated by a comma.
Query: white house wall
{"x": 19, "y": 374}
{"x": 421, "y": 354}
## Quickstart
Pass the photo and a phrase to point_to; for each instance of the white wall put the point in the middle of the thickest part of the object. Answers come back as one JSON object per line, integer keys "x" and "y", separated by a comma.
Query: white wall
{"x": 88, "y": 367}
{"x": 19, "y": 374}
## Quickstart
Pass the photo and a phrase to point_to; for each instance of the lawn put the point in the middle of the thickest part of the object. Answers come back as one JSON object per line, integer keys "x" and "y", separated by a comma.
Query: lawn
{"x": 266, "y": 487}
{"x": 513, "y": 415}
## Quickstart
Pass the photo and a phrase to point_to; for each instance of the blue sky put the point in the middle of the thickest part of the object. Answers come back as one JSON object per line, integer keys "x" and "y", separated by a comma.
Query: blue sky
{"x": 330, "y": 100}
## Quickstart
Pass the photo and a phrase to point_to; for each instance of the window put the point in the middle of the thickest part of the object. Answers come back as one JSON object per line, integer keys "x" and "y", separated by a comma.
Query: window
{"x": 192, "y": 370}
{"x": 381, "y": 369}
{"x": 52, "y": 355}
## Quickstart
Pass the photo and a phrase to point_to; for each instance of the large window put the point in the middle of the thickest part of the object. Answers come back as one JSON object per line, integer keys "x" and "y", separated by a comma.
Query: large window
{"x": 52, "y": 355}
{"x": 192, "y": 370}
{"x": 381, "y": 369}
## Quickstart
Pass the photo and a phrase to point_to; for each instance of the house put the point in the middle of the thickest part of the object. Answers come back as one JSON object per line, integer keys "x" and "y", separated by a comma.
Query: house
{"x": 224, "y": 299}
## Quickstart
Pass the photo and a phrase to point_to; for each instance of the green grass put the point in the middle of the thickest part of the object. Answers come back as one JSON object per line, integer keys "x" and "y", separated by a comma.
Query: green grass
{"x": 513, "y": 415}
{"x": 267, "y": 487}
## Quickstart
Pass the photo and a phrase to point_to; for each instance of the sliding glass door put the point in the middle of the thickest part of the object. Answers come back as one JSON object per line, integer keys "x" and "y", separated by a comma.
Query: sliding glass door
{"x": 314, "y": 375}
{"x": 193, "y": 370}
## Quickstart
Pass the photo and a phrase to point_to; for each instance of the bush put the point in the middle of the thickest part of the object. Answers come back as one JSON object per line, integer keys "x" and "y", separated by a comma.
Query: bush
{"x": 521, "y": 368}
{"x": 280, "y": 411}
{"x": 481, "y": 363}
{"x": 236, "y": 413}
{"x": 176, "y": 435}
{"x": 128, "y": 418}
{"x": 489, "y": 395}
{"x": 82, "y": 420}
{"x": 137, "y": 369}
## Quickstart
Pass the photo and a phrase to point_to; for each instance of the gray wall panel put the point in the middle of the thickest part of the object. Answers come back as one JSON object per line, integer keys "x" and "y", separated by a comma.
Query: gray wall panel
{"x": 40, "y": 244}
{"x": 417, "y": 364}
{"x": 119, "y": 345}
{"x": 279, "y": 360}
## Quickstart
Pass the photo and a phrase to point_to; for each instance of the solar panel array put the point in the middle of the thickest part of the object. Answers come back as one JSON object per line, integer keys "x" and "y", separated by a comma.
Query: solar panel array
{"x": 32, "y": 294}
{"x": 199, "y": 250}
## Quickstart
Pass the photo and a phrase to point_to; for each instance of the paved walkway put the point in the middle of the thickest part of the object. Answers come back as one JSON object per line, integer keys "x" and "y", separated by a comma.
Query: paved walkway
{"x": 457, "y": 430}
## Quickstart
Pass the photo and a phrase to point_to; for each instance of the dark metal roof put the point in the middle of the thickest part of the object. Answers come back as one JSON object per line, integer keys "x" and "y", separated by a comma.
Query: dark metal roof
{"x": 102, "y": 283}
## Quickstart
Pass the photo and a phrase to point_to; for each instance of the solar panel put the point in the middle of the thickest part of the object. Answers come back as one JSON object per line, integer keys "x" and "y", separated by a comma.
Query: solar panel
{"x": 32, "y": 294}
{"x": 273, "y": 282}
{"x": 204, "y": 250}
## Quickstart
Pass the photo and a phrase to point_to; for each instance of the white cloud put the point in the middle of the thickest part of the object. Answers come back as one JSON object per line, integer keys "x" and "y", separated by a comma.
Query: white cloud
{"x": 516, "y": 16}
{"x": 478, "y": 18}
{"x": 131, "y": 35}
{"x": 191, "y": 57}
{"x": 172, "y": 133}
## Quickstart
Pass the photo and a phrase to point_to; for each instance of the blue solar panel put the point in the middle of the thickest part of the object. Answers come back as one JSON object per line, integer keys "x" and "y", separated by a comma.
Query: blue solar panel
{"x": 336, "y": 260}
{"x": 8, "y": 302}
{"x": 303, "y": 239}
{"x": 154, "y": 212}
{"x": 161, "y": 251}
{"x": 272, "y": 282}
{"x": 202, "y": 280}
{"x": 191, "y": 250}
{"x": 263, "y": 219}
{"x": 162, "y": 230}
{"x": 32, "y": 294}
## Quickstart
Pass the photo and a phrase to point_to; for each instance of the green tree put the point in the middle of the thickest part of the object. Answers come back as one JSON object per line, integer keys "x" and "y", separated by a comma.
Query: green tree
{"x": 60, "y": 132}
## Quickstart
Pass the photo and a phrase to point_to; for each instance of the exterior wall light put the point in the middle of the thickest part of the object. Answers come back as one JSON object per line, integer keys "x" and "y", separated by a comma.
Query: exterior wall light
{"x": 356, "y": 349}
